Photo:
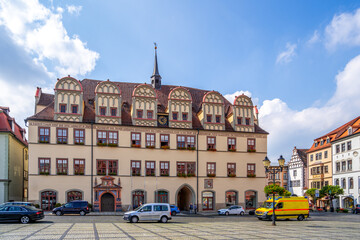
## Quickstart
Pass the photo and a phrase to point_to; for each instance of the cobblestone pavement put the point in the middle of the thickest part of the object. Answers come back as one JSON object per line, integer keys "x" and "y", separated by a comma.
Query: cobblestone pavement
{"x": 310, "y": 229}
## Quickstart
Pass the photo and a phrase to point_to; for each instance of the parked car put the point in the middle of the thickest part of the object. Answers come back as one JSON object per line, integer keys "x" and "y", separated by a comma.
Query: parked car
{"x": 149, "y": 212}
{"x": 356, "y": 209}
{"x": 74, "y": 207}
{"x": 20, "y": 203}
{"x": 237, "y": 210}
{"x": 174, "y": 210}
{"x": 21, "y": 213}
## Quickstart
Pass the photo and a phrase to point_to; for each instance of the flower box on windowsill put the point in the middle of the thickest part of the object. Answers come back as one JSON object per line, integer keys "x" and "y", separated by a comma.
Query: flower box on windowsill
{"x": 251, "y": 150}
{"x": 43, "y": 141}
{"x": 181, "y": 175}
{"x": 190, "y": 175}
{"x": 181, "y": 148}
{"x": 191, "y": 148}
{"x": 101, "y": 174}
{"x": 59, "y": 142}
{"x": 112, "y": 145}
{"x": 79, "y": 143}
{"x": 211, "y": 175}
{"x": 101, "y": 144}
{"x": 61, "y": 173}
{"x": 165, "y": 147}
{"x": 44, "y": 173}
{"x": 79, "y": 173}
{"x": 112, "y": 174}
{"x": 135, "y": 146}
{"x": 151, "y": 147}
{"x": 231, "y": 175}
{"x": 251, "y": 175}
{"x": 164, "y": 175}
{"x": 212, "y": 149}
{"x": 136, "y": 174}
{"x": 150, "y": 174}
{"x": 232, "y": 150}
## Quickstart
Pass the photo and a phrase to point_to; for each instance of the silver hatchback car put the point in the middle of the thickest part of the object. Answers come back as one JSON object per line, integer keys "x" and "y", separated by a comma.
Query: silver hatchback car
{"x": 149, "y": 212}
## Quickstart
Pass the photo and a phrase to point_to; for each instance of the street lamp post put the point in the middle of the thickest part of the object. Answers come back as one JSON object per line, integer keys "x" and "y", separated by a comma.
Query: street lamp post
{"x": 273, "y": 171}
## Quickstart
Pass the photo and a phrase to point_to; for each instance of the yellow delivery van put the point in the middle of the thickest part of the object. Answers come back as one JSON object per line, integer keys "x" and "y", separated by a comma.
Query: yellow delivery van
{"x": 285, "y": 207}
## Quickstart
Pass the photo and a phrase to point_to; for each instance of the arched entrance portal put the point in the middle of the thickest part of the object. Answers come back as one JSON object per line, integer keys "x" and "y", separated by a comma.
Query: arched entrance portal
{"x": 107, "y": 202}
{"x": 185, "y": 198}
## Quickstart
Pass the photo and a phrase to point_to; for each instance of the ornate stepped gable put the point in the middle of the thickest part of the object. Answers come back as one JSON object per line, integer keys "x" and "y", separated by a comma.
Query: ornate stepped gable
{"x": 133, "y": 95}
{"x": 108, "y": 103}
{"x": 144, "y": 106}
{"x": 243, "y": 118}
{"x": 298, "y": 158}
{"x": 68, "y": 102}
{"x": 180, "y": 107}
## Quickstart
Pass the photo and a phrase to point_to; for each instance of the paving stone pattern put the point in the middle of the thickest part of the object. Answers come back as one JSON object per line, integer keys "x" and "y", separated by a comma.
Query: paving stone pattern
{"x": 192, "y": 230}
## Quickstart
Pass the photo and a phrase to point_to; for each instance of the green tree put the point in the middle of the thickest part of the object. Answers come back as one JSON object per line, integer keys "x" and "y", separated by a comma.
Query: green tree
{"x": 311, "y": 193}
{"x": 276, "y": 189}
{"x": 331, "y": 192}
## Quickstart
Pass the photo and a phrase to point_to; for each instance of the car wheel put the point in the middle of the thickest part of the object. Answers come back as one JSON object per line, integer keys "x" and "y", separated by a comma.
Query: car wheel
{"x": 226, "y": 213}
{"x": 300, "y": 217}
{"x": 164, "y": 219}
{"x": 58, "y": 213}
{"x": 173, "y": 213}
{"x": 82, "y": 213}
{"x": 24, "y": 219}
{"x": 242, "y": 213}
{"x": 134, "y": 219}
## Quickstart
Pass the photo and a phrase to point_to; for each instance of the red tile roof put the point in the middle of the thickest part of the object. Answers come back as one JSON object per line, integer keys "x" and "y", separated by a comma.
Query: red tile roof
{"x": 8, "y": 124}
{"x": 127, "y": 89}
{"x": 334, "y": 135}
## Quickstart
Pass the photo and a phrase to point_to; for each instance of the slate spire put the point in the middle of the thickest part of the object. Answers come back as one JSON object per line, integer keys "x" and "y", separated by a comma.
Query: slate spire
{"x": 156, "y": 78}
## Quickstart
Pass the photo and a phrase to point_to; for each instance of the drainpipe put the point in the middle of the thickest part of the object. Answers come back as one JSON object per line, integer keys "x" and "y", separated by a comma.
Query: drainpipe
{"x": 197, "y": 172}
{"x": 92, "y": 165}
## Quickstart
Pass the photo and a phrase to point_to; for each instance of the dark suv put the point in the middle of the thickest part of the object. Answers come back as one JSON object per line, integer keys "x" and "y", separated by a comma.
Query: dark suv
{"x": 78, "y": 207}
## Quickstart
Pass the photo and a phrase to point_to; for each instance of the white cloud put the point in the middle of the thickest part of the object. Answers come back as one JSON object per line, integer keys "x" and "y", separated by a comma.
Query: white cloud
{"x": 18, "y": 98}
{"x": 289, "y": 128}
{"x": 344, "y": 29}
{"x": 287, "y": 55}
{"x": 74, "y": 9}
{"x": 314, "y": 38}
{"x": 40, "y": 31}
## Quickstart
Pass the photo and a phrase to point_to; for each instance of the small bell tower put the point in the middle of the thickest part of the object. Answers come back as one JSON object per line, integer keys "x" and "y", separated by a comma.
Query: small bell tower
{"x": 156, "y": 78}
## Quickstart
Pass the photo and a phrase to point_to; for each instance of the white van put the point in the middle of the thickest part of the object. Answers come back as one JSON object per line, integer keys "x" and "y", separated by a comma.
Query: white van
{"x": 149, "y": 212}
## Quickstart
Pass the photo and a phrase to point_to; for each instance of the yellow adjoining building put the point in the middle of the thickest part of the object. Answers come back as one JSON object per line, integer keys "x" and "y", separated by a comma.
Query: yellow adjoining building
{"x": 13, "y": 159}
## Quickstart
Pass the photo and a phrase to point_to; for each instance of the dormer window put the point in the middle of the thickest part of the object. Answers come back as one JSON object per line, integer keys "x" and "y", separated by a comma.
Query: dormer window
{"x": 62, "y": 108}
{"x": 150, "y": 114}
{"x": 208, "y": 118}
{"x": 328, "y": 140}
{"x": 175, "y": 116}
{"x": 239, "y": 120}
{"x": 217, "y": 118}
{"x": 74, "y": 108}
{"x": 184, "y": 116}
{"x": 102, "y": 111}
{"x": 139, "y": 113}
{"x": 350, "y": 131}
{"x": 113, "y": 112}
{"x": 316, "y": 144}
{"x": 322, "y": 142}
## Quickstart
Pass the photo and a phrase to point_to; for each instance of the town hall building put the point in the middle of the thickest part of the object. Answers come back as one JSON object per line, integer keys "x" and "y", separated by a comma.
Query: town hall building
{"x": 121, "y": 144}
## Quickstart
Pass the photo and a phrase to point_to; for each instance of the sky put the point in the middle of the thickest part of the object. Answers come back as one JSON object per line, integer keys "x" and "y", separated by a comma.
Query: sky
{"x": 298, "y": 60}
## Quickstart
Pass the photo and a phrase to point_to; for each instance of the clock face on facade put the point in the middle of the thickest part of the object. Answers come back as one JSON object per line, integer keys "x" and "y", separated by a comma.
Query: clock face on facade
{"x": 162, "y": 121}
